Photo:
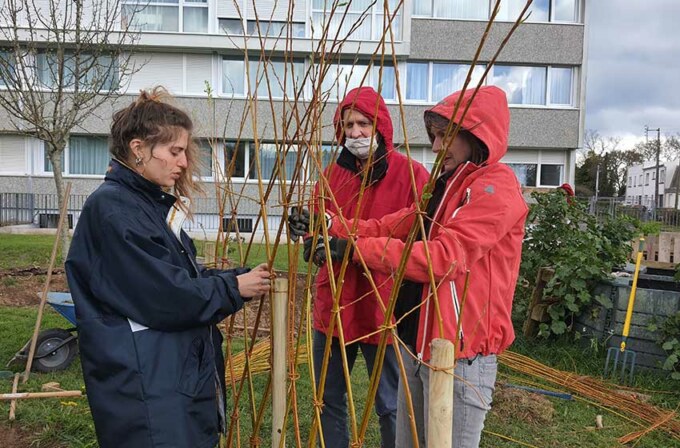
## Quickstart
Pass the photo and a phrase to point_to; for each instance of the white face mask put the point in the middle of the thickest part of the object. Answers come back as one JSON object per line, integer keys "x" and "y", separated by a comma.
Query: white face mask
{"x": 361, "y": 147}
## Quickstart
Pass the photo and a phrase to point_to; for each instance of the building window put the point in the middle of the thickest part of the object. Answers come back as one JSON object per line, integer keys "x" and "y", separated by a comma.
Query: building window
{"x": 355, "y": 20}
{"x": 231, "y": 26}
{"x": 233, "y": 77}
{"x": 341, "y": 78}
{"x": 511, "y": 9}
{"x": 565, "y": 11}
{"x": 448, "y": 78}
{"x": 190, "y": 16}
{"x": 205, "y": 152}
{"x": 275, "y": 72}
{"x": 549, "y": 175}
{"x": 523, "y": 85}
{"x": 7, "y": 68}
{"x": 84, "y": 155}
{"x": 276, "y": 28}
{"x": 646, "y": 178}
{"x": 525, "y": 172}
{"x": 235, "y": 159}
{"x": 541, "y": 10}
{"x": 95, "y": 73}
{"x": 417, "y": 74}
{"x": 630, "y": 181}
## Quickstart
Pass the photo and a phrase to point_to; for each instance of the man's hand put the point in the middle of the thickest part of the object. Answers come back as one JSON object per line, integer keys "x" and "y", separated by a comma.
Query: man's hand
{"x": 254, "y": 283}
{"x": 336, "y": 246}
{"x": 298, "y": 222}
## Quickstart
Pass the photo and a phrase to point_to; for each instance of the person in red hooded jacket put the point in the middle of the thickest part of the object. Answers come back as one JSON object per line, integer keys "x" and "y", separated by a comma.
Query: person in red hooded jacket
{"x": 475, "y": 222}
{"x": 388, "y": 188}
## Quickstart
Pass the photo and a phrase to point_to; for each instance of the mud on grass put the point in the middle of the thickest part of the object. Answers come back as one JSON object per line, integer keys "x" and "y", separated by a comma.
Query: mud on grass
{"x": 23, "y": 286}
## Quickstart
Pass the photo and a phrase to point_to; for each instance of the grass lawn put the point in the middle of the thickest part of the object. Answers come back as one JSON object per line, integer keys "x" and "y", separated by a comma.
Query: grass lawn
{"x": 67, "y": 422}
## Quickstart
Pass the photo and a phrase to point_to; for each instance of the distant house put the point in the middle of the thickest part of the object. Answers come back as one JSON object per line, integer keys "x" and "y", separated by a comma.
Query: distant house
{"x": 641, "y": 185}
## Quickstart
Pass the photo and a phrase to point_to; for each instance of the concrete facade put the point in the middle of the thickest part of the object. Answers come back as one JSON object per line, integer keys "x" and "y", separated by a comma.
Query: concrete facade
{"x": 543, "y": 135}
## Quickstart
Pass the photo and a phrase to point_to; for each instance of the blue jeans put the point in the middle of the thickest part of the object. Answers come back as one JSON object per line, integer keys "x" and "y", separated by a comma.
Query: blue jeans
{"x": 334, "y": 412}
{"x": 472, "y": 389}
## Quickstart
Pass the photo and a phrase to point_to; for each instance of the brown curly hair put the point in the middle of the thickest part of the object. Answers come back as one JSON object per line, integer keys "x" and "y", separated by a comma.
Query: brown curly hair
{"x": 153, "y": 120}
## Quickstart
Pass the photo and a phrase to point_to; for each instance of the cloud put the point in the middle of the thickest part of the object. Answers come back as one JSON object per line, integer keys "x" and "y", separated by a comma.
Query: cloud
{"x": 633, "y": 67}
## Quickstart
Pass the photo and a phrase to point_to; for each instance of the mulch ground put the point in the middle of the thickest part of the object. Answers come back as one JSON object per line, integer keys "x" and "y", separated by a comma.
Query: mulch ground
{"x": 511, "y": 404}
{"x": 23, "y": 286}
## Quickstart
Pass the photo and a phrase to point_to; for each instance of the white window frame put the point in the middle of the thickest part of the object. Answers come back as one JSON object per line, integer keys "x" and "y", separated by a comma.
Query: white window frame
{"x": 551, "y": 14}
{"x": 180, "y": 5}
{"x": 399, "y": 34}
{"x": 65, "y": 160}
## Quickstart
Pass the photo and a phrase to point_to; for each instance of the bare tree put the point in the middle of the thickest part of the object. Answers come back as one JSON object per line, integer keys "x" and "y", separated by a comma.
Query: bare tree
{"x": 60, "y": 60}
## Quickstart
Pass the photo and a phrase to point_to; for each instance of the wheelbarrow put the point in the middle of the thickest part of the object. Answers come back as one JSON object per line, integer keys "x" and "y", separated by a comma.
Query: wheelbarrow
{"x": 55, "y": 348}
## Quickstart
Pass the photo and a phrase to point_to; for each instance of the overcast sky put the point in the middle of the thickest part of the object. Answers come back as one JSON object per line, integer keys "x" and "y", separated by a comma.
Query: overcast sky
{"x": 633, "y": 68}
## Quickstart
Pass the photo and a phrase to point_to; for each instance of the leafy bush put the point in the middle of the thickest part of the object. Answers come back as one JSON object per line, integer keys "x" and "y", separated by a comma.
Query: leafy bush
{"x": 670, "y": 341}
{"x": 561, "y": 234}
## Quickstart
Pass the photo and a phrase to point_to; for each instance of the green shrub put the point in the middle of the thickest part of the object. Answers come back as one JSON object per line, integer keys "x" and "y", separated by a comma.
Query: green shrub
{"x": 561, "y": 234}
{"x": 670, "y": 341}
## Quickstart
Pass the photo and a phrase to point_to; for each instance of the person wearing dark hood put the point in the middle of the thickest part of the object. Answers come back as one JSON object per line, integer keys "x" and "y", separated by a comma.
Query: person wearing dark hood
{"x": 388, "y": 188}
{"x": 475, "y": 222}
{"x": 146, "y": 311}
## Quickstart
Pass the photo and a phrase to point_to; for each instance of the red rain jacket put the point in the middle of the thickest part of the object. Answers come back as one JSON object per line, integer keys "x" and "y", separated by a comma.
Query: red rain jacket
{"x": 478, "y": 226}
{"x": 360, "y": 314}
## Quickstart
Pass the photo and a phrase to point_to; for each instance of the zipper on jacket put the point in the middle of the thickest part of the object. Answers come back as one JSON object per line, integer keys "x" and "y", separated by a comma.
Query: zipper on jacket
{"x": 427, "y": 305}
{"x": 221, "y": 406}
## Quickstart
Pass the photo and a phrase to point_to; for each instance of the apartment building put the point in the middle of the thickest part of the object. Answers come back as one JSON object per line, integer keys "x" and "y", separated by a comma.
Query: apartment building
{"x": 197, "y": 49}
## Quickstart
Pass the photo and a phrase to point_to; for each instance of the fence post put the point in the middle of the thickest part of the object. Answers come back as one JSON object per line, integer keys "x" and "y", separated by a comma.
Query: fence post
{"x": 440, "y": 411}
{"x": 279, "y": 341}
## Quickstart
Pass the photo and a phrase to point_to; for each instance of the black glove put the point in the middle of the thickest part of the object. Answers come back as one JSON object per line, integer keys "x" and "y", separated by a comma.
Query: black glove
{"x": 307, "y": 252}
{"x": 337, "y": 247}
{"x": 298, "y": 222}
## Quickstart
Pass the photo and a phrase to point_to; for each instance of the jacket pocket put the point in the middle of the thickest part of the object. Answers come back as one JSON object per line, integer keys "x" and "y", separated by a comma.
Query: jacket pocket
{"x": 197, "y": 368}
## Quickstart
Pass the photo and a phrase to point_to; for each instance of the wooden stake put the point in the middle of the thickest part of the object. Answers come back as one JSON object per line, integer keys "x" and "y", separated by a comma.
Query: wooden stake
{"x": 24, "y": 395}
{"x": 13, "y": 403}
{"x": 43, "y": 299}
{"x": 440, "y": 412}
{"x": 279, "y": 359}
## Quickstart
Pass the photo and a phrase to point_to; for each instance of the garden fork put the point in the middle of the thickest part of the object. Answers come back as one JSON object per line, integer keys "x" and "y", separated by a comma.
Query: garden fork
{"x": 616, "y": 354}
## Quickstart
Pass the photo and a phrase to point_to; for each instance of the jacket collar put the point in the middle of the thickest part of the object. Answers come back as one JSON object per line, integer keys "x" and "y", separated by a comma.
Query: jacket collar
{"x": 123, "y": 174}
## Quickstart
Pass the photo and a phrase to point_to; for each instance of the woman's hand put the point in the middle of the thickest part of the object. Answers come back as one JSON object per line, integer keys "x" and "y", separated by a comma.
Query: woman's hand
{"x": 254, "y": 283}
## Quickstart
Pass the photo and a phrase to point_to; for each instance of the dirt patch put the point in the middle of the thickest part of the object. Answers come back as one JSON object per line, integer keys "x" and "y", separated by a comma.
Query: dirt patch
{"x": 22, "y": 286}
{"x": 511, "y": 404}
{"x": 15, "y": 437}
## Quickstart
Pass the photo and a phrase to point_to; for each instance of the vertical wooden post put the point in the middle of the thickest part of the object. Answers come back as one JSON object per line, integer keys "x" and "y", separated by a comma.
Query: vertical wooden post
{"x": 279, "y": 338}
{"x": 440, "y": 411}
{"x": 13, "y": 403}
{"x": 38, "y": 321}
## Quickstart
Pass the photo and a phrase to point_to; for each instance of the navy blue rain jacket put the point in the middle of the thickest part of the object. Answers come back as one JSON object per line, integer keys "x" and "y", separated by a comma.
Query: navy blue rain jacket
{"x": 146, "y": 313}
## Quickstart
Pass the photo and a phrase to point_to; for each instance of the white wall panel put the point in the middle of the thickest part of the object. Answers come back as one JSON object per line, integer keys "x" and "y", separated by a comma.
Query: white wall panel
{"x": 12, "y": 154}
{"x": 198, "y": 71}
{"x": 554, "y": 157}
{"x": 521, "y": 156}
{"x": 277, "y": 10}
{"x": 158, "y": 69}
{"x": 227, "y": 8}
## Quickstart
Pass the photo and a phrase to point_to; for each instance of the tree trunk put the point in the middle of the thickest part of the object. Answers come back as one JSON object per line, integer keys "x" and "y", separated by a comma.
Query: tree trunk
{"x": 55, "y": 156}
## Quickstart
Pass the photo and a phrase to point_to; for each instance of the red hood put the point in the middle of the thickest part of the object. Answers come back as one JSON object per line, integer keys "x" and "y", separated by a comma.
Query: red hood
{"x": 488, "y": 118}
{"x": 365, "y": 100}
